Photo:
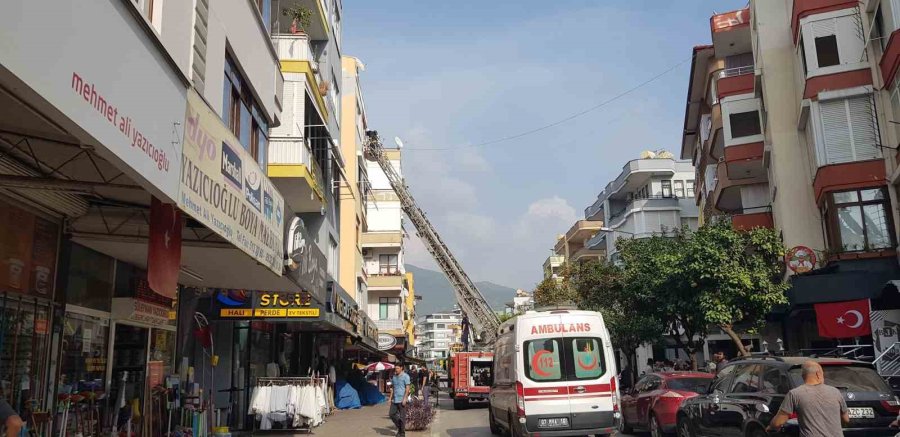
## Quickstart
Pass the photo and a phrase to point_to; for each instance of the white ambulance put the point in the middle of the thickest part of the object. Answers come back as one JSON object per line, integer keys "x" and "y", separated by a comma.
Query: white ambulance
{"x": 554, "y": 375}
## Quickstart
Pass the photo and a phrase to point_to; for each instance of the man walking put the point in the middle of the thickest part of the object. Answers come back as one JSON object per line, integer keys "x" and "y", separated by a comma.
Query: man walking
{"x": 398, "y": 396}
{"x": 820, "y": 408}
{"x": 424, "y": 383}
{"x": 10, "y": 419}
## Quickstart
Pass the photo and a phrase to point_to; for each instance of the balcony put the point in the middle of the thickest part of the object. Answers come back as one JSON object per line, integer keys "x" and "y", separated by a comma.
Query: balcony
{"x": 734, "y": 81}
{"x": 382, "y": 239}
{"x": 319, "y": 28}
{"x": 385, "y": 281}
{"x": 395, "y": 325}
{"x": 847, "y": 176}
{"x": 731, "y": 32}
{"x": 652, "y": 202}
{"x": 803, "y": 8}
{"x": 752, "y": 220}
{"x": 634, "y": 175}
{"x": 295, "y": 172}
{"x": 728, "y": 193}
{"x": 587, "y": 253}
{"x": 299, "y": 65}
{"x": 745, "y": 160}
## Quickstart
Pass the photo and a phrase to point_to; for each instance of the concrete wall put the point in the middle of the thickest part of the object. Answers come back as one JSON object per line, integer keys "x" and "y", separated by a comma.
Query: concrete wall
{"x": 352, "y": 220}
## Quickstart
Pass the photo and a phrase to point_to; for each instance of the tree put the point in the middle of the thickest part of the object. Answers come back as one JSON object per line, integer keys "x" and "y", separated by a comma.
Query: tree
{"x": 552, "y": 291}
{"x": 506, "y": 316}
{"x": 601, "y": 287}
{"x": 738, "y": 275}
{"x": 654, "y": 276}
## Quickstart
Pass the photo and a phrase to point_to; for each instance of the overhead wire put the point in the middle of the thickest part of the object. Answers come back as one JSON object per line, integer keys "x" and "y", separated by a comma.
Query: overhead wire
{"x": 565, "y": 119}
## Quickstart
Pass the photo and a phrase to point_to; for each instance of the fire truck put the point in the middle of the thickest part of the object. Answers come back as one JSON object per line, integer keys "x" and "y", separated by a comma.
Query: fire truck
{"x": 470, "y": 377}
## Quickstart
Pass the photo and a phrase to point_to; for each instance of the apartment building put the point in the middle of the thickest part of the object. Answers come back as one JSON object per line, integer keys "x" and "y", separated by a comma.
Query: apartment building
{"x": 651, "y": 196}
{"x": 354, "y": 190}
{"x": 572, "y": 247}
{"x": 522, "y": 301}
{"x": 790, "y": 125}
{"x": 553, "y": 266}
{"x": 382, "y": 248}
{"x": 436, "y": 334}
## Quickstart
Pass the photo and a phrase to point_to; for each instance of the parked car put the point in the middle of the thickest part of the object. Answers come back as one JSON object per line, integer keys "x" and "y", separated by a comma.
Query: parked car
{"x": 747, "y": 393}
{"x": 652, "y": 403}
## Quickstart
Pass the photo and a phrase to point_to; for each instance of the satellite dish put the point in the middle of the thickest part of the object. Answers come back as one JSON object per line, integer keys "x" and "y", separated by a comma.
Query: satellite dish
{"x": 664, "y": 154}
{"x": 646, "y": 154}
{"x": 398, "y": 142}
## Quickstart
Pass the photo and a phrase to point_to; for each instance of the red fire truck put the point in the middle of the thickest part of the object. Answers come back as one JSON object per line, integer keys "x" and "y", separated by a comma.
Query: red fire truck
{"x": 470, "y": 377}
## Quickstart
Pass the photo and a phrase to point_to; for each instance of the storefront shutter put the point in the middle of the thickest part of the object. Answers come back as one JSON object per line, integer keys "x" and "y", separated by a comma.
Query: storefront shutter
{"x": 863, "y": 129}
{"x": 836, "y": 131}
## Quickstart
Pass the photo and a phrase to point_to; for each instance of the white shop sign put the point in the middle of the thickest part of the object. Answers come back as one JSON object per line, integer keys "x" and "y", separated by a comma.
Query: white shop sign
{"x": 126, "y": 308}
{"x": 95, "y": 63}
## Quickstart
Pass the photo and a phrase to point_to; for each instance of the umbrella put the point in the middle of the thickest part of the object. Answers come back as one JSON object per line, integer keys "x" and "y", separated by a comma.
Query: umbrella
{"x": 377, "y": 367}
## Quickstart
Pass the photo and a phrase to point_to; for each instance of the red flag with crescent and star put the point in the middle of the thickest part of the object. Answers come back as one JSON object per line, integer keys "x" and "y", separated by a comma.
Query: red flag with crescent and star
{"x": 164, "y": 251}
{"x": 844, "y": 319}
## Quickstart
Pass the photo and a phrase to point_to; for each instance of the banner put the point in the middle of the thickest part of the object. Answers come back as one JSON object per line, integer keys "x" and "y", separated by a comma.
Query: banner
{"x": 28, "y": 250}
{"x": 843, "y": 319}
{"x": 223, "y": 188}
{"x": 885, "y": 333}
{"x": 164, "y": 249}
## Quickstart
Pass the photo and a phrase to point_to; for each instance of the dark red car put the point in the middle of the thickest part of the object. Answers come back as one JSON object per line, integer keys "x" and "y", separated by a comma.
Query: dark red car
{"x": 652, "y": 403}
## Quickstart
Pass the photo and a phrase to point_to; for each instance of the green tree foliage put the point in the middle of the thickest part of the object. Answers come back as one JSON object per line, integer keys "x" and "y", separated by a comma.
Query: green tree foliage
{"x": 552, "y": 291}
{"x": 738, "y": 275}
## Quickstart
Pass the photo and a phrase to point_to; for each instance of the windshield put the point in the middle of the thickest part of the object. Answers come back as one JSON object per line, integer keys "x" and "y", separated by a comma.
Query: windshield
{"x": 696, "y": 385}
{"x": 851, "y": 378}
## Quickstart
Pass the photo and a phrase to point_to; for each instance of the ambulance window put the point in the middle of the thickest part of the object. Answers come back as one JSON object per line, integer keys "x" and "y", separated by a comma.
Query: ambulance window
{"x": 587, "y": 358}
{"x": 543, "y": 359}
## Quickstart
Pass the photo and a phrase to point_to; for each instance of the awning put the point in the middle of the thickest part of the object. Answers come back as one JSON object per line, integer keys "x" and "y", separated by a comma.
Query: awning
{"x": 842, "y": 281}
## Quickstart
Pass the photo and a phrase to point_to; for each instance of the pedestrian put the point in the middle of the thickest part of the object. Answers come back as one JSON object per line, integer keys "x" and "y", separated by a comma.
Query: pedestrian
{"x": 10, "y": 419}
{"x": 820, "y": 408}
{"x": 720, "y": 359}
{"x": 398, "y": 396}
{"x": 423, "y": 382}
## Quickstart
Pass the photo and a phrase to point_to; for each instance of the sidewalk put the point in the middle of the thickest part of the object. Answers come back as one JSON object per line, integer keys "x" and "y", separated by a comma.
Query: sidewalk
{"x": 366, "y": 421}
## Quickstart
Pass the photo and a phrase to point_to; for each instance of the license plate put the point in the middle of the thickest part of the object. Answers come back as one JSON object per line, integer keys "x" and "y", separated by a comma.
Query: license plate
{"x": 862, "y": 413}
{"x": 554, "y": 422}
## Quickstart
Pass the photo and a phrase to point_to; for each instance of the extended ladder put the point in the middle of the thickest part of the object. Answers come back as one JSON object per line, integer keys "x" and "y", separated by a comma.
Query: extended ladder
{"x": 484, "y": 322}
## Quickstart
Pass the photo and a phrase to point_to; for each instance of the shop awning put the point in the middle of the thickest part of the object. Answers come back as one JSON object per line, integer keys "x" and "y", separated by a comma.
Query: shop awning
{"x": 860, "y": 279}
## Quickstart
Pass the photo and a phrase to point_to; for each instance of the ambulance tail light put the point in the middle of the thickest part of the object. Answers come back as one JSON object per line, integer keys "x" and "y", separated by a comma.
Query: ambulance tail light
{"x": 520, "y": 399}
{"x": 614, "y": 393}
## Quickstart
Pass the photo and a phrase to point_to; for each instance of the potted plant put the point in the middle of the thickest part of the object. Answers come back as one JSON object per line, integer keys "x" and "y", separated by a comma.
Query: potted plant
{"x": 300, "y": 18}
{"x": 419, "y": 415}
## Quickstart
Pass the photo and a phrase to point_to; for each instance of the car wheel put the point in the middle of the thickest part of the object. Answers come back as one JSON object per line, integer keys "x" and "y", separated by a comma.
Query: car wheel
{"x": 684, "y": 428}
{"x": 653, "y": 424}
{"x": 495, "y": 428}
{"x": 458, "y": 404}
{"x": 514, "y": 427}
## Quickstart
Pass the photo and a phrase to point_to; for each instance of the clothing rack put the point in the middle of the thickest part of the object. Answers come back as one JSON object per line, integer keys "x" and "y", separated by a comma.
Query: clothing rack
{"x": 318, "y": 382}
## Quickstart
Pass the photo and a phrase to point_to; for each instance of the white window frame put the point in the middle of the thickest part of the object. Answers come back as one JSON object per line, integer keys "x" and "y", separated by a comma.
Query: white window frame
{"x": 851, "y": 44}
{"x": 736, "y": 105}
{"x": 818, "y": 129}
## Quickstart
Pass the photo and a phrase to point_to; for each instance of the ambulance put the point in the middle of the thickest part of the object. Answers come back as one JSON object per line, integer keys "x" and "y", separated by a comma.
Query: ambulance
{"x": 554, "y": 375}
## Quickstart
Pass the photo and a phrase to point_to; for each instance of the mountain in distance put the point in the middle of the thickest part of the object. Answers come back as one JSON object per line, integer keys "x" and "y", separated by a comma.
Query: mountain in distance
{"x": 438, "y": 295}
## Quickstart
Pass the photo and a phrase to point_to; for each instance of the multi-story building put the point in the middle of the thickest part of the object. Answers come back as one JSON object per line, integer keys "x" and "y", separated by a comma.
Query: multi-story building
{"x": 522, "y": 301}
{"x": 436, "y": 333}
{"x": 382, "y": 246}
{"x": 790, "y": 114}
{"x": 571, "y": 246}
{"x": 354, "y": 190}
{"x": 651, "y": 196}
{"x": 553, "y": 266}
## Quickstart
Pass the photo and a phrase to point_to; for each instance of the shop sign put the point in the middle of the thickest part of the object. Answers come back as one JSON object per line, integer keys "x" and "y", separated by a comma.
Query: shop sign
{"x": 306, "y": 264}
{"x": 386, "y": 341}
{"x": 130, "y": 108}
{"x": 28, "y": 250}
{"x": 126, "y": 308}
{"x": 800, "y": 259}
{"x": 245, "y": 304}
{"x": 224, "y": 188}
{"x": 339, "y": 303}
{"x": 730, "y": 19}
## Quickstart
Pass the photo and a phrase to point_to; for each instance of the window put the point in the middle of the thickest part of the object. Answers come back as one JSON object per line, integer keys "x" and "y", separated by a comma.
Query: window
{"x": 848, "y": 130}
{"x": 696, "y": 385}
{"x": 859, "y": 220}
{"x": 744, "y": 124}
{"x": 775, "y": 381}
{"x": 803, "y": 58}
{"x": 265, "y": 11}
{"x": 880, "y": 32}
{"x": 690, "y": 189}
{"x": 827, "y": 51}
{"x": 650, "y": 384}
{"x": 723, "y": 379}
{"x": 746, "y": 379}
{"x": 564, "y": 359}
{"x": 667, "y": 188}
{"x": 333, "y": 258}
{"x": 387, "y": 265}
{"x": 146, "y": 8}
{"x": 242, "y": 114}
{"x": 388, "y": 308}
{"x": 852, "y": 378}
{"x": 679, "y": 189}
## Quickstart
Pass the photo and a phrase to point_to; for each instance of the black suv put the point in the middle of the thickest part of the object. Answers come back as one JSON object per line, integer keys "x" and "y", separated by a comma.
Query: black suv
{"x": 747, "y": 393}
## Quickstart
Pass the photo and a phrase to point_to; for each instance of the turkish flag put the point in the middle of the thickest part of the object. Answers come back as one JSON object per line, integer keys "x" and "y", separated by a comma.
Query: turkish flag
{"x": 844, "y": 319}
{"x": 164, "y": 251}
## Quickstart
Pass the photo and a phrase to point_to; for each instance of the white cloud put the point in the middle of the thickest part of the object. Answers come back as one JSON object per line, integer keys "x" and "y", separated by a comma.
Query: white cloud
{"x": 474, "y": 226}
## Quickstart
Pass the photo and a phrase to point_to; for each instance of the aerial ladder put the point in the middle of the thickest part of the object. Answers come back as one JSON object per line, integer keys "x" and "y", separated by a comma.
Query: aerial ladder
{"x": 474, "y": 306}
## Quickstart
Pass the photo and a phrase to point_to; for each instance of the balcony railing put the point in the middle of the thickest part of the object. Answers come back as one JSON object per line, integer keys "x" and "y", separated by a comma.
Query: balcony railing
{"x": 643, "y": 202}
{"x": 389, "y": 325}
{"x": 294, "y": 151}
{"x": 737, "y": 71}
{"x": 293, "y": 47}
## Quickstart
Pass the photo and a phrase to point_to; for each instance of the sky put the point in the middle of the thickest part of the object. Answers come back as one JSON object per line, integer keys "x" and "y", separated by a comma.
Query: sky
{"x": 454, "y": 75}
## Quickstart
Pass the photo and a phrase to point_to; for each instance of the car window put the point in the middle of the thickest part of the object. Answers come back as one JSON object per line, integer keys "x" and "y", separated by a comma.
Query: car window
{"x": 774, "y": 381}
{"x": 851, "y": 378}
{"x": 542, "y": 360}
{"x": 696, "y": 385}
{"x": 723, "y": 379}
{"x": 746, "y": 379}
{"x": 586, "y": 356}
{"x": 640, "y": 384}
{"x": 652, "y": 384}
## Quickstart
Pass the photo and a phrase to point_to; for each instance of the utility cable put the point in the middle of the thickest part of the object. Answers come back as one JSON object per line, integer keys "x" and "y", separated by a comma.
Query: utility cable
{"x": 566, "y": 119}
